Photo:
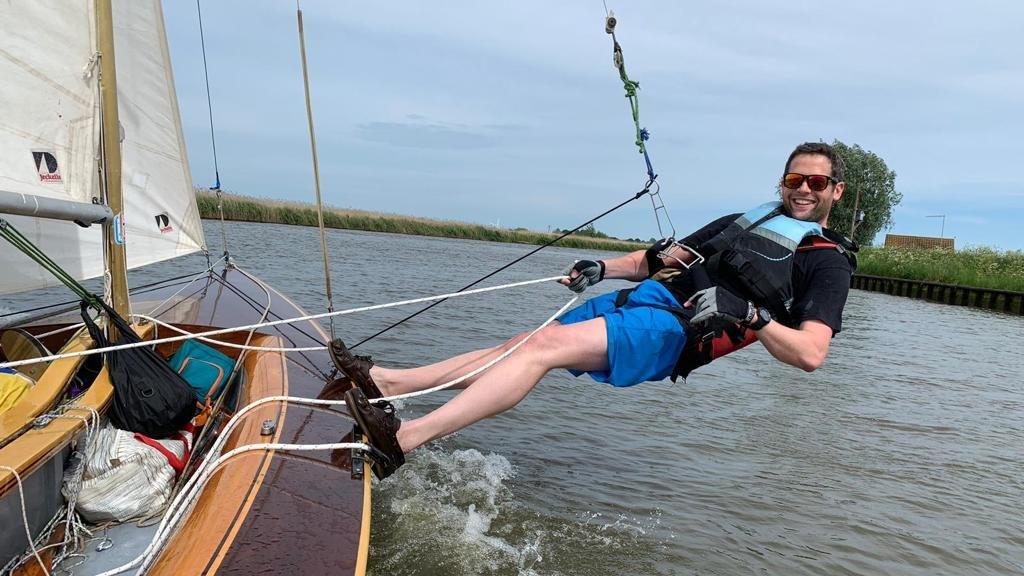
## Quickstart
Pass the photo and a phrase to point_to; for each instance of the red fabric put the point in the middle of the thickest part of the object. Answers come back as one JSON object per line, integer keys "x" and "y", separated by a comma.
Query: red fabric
{"x": 178, "y": 464}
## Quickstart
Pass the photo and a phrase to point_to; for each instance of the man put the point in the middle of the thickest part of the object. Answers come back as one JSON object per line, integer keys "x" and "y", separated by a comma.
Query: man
{"x": 775, "y": 274}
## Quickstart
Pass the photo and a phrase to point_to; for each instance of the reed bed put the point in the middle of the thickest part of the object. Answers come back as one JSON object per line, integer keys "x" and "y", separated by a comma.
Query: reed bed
{"x": 249, "y": 209}
{"x": 974, "y": 267}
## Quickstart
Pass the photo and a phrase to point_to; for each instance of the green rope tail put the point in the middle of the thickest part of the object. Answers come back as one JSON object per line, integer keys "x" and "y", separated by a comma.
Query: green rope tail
{"x": 19, "y": 241}
{"x": 631, "y": 87}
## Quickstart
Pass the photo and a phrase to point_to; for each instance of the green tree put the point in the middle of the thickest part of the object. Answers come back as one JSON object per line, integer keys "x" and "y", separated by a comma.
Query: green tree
{"x": 867, "y": 174}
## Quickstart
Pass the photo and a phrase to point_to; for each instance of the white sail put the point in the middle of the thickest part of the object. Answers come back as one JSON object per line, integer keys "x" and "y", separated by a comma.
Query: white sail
{"x": 49, "y": 130}
{"x": 49, "y": 135}
{"x": 161, "y": 217}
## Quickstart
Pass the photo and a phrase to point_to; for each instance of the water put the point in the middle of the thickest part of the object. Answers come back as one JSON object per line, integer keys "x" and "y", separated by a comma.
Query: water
{"x": 902, "y": 455}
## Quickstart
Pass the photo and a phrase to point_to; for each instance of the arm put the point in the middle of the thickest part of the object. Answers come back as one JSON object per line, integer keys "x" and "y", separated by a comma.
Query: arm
{"x": 633, "y": 266}
{"x": 804, "y": 347}
{"x": 822, "y": 283}
{"x": 817, "y": 313}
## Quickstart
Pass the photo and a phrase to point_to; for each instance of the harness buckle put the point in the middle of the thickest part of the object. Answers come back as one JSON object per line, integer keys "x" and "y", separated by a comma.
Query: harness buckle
{"x": 665, "y": 254}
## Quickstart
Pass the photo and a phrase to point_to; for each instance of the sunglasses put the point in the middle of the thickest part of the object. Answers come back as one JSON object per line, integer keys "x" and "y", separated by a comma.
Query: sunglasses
{"x": 816, "y": 182}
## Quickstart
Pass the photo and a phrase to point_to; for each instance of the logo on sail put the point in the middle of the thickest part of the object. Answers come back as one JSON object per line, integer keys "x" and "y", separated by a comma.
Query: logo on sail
{"x": 163, "y": 222}
{"x": 46, "y": 165}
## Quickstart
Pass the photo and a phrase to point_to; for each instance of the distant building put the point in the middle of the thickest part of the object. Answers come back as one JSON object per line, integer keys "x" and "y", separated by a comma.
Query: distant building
{"x": 901, "y": 241}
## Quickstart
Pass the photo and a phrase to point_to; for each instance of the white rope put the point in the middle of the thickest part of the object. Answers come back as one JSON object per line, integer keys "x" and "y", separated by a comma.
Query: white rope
{"x": 59, "y": 330}
{"x": 164, "y": 531}
{"x": 24, "y": 519}
{"x": 173, "y": 328}
{"x": 192, "y": 488}
{"x": 189, "y": 491}
{"x": 195, "y": 484}
{"x": 70, "y": 532}
{"x": 302, "y": 348}
{"x": 277, "y": 322}
{"x": 485, "y": 366}
{"x": 149, "y": 556}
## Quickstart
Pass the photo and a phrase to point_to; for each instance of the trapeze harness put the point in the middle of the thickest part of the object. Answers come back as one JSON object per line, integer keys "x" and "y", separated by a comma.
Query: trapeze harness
{"x": 753, "y": 258}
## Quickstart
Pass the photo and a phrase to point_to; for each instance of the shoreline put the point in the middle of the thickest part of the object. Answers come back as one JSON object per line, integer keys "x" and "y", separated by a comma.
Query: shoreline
{"x": 266, "y": 211}
{"x": 975, "y": 268}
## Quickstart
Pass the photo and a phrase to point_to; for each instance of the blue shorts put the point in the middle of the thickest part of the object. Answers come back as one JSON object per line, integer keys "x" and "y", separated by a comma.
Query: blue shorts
{"x": 644, "y": 343}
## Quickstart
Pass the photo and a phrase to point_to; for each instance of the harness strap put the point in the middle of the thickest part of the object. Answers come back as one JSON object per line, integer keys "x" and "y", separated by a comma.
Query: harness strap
{"x": 681, "y": 314}
{"x": 844, "y": 246}
{"x": 818, "y": 243}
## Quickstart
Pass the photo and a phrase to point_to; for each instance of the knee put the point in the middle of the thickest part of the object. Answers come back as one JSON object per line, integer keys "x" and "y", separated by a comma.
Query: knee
{"x": 540, "y": 343}
{"x": 512, "y": 342}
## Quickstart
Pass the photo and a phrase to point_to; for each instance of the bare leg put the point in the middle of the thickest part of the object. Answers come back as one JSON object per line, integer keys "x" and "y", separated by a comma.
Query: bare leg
{"x": 582, "y": 346}
{"x": 394, "y": 381}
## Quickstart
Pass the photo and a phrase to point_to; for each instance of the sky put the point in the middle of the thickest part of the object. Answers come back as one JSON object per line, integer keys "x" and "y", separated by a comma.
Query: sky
{"x": 512, "y": 114}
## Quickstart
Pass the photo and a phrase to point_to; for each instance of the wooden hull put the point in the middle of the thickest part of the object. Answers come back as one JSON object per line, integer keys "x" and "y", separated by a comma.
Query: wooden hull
{"x": 287, "y": 512}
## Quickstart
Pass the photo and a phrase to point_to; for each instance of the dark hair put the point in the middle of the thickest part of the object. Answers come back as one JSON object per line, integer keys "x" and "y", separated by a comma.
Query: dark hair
{"x": 838, "y": 170}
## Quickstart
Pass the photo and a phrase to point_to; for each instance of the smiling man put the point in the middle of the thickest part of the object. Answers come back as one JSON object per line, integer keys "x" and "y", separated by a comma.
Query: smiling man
{"x": 775, "y": 274}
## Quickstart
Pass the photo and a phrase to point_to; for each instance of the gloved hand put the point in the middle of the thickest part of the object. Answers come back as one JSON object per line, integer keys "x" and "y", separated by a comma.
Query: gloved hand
{"x": 587, "y": 272}
{"x": 717, "y": 303}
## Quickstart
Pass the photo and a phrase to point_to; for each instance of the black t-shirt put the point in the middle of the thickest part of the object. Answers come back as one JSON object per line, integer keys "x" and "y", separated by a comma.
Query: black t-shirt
{"x": 821, "y": 279}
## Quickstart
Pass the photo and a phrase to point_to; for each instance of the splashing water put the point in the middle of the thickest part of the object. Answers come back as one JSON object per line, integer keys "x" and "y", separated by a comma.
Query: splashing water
{"x": 458, "y": 512}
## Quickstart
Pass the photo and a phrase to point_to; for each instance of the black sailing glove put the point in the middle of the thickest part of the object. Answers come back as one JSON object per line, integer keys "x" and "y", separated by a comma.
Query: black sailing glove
{"x": 588, "y": 273}
{"x": 717, "y": 303}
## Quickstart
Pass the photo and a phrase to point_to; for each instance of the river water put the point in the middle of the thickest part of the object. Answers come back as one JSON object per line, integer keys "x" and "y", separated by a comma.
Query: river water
{"x": 903, "y": 454}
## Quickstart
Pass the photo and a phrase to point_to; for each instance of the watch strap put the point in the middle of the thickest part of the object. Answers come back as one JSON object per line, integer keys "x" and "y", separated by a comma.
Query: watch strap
{"x": 763, "y": 318}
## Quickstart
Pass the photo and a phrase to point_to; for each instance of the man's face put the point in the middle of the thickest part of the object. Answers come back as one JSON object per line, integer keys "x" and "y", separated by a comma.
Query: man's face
{"x": 805, "y": 204}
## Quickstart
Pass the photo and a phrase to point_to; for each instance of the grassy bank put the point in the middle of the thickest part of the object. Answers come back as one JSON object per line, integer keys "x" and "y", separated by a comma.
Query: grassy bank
{"x": 976, "y": 267}
{"x": 267, "y": 211}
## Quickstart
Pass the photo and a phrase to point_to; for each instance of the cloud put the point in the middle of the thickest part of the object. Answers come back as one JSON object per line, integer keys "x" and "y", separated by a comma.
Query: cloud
{"x": 424, "y": 135}
{"x": 405, "y": 91}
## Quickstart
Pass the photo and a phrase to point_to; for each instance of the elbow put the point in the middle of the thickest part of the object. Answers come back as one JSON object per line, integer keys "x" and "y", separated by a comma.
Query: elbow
{"x": 811, "y": 362}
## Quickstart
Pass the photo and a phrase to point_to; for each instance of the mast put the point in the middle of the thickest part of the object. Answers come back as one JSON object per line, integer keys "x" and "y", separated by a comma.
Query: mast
{"x": 114, "y": 230}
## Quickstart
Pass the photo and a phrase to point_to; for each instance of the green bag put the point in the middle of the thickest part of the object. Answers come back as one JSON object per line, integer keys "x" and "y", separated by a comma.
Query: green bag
{"x": 204, "y": 368}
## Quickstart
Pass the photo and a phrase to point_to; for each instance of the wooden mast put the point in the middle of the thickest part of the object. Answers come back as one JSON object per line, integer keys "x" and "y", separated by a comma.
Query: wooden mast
{"x": 112, "y": 157}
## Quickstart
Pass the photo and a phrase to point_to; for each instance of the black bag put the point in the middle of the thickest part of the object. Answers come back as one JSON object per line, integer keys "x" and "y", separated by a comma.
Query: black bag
{"x": 149, "y": 396}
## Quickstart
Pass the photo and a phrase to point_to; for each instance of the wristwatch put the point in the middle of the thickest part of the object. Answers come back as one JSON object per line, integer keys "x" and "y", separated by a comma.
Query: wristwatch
{"x": 763, "y": 318}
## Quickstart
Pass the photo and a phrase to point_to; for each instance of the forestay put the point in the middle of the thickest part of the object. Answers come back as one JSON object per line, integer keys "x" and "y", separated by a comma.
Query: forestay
{"x": 49, "y": 137}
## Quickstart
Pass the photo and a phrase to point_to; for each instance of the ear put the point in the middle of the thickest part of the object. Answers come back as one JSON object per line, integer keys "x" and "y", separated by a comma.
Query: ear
{"x": 838, "y": 193}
